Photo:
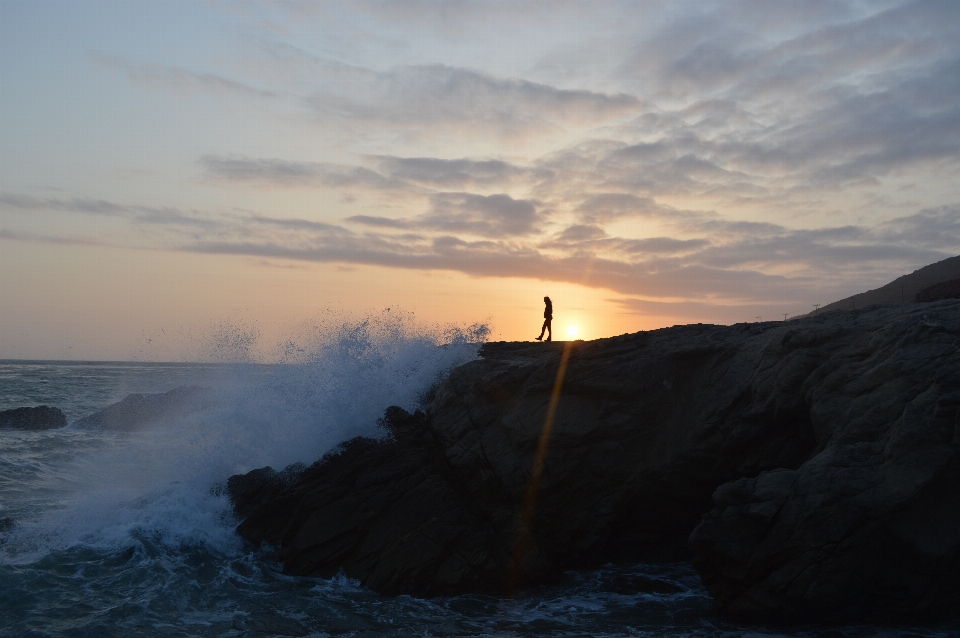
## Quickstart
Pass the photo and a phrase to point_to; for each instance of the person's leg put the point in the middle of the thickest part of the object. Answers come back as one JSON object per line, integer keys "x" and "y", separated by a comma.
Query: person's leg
{"x": 549, "y": 324}
{"x": 542, "y": 329}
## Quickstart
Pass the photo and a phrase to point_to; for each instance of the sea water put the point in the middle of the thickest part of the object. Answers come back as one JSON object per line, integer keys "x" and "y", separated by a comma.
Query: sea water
{"x": 113, "y": 533}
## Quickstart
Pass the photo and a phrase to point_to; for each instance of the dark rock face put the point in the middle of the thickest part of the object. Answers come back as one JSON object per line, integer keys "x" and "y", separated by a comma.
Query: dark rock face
{"x": 389, "y": 512}
{"x": 137, "y": 410}
{"x": 41, "y": 417}
{"x": 870, "y": 525}
{"x": 946, "y": 290}
{"x": 811, "y": 460}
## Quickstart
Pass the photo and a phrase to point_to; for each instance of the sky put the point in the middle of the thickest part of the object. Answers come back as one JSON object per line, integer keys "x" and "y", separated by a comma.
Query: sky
{"x": 177, "y": 173}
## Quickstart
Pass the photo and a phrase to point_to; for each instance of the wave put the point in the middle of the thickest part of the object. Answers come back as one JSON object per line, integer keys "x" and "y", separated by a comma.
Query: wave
{"x": 159, "y": 481}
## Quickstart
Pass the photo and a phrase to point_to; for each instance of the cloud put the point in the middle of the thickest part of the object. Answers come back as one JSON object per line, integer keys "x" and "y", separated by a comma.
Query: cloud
{"x": 754, "y": 49}
{"x": 731, "y": 263}
{"x": 496, "y": 216}
{"x": 178, "y": 79}
{"x": 718, "y": 261}
{"x": 866, "y": 96}
{"x": 76, "y": 204}
{"x": 160, "y": 215}
{"x": 382, "y": 222}
{"x": 294, "y": 224}
{"x": 607, "y": 207}
{"x": 447, "y": 173}
{"x": 728, "y": 155}
{"x": 581, "y": 233}
{"x": 583, "y": 237}
{"x": 73, "y": 240}
{"x": 488, "y": 216}
{"x": 741, "y": 101}
{"x": 278, "y": 172}
{"x": 438, "y": 96}
{"x": 502, "y": 259}
{"x": 398, "y": 174}
{"x": 937, "y": 228}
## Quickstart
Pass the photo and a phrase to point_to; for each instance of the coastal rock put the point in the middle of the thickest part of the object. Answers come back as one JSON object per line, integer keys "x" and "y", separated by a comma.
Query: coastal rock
{"x": 869, "y": 526}
{"x": 812, "y": 457}
{"x": 946, "y": 290}
{"x": 41, "y": 417}
{"x": 138, "y": 410}
{"x": 388, "y": 512}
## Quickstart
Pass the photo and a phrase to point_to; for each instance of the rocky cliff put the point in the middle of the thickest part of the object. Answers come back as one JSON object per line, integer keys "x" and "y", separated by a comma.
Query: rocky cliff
{"x": 810, "y": 469}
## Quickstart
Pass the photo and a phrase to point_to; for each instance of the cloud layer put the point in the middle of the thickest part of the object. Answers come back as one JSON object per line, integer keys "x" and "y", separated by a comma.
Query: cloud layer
{"x": 696, "y": 159}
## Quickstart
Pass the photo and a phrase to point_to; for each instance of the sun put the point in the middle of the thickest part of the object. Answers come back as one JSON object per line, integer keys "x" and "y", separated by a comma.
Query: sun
{"x": 571, "y": 331}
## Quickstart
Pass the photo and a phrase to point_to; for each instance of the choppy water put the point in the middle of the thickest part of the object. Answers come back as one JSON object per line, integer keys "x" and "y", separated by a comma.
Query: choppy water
{"x": 124, "y": 533}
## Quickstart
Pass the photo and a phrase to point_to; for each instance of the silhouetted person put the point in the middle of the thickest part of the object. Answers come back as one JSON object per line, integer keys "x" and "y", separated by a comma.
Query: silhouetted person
{"x": 547, "y": 319}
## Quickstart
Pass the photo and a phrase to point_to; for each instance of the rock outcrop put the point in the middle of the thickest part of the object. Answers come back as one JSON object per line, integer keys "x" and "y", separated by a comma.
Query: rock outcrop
{"x": 138, "y": 410}
{"x": 938, "y": 292}
{"x": 391, "y": 513}
{"x": 41, "y": 417}
{"x": 815, "y": 463}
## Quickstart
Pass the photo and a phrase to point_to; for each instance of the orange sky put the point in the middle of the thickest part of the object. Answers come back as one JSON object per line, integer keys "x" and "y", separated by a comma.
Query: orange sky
{"x": 170, "y": 305}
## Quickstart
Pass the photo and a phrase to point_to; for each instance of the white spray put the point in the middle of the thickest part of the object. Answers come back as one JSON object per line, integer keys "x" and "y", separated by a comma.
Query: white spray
{"x": 333, "y": 384}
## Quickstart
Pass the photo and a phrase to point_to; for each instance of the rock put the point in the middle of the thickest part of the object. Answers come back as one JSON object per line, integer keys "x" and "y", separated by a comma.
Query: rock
{"x": 389, "y": 510}
{"x": 137, "y": 410}
{"x": 869, "y": 526}
{"x": 39, "y": 418}
{"x": 813, "y": 458}
{"x": 938, "y": 292}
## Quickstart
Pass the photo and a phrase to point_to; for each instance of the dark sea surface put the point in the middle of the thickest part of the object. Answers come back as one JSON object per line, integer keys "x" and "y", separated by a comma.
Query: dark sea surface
{"x": 125, "y": 533}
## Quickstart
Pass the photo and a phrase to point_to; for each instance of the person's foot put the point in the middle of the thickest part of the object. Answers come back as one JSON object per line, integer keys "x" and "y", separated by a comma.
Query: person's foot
{"x": 540, "y": 338}
{"x": 549, "y": 338}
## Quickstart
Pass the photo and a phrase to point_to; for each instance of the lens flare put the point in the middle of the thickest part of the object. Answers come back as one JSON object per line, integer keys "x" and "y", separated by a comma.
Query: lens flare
{"x": 522, "y": 546}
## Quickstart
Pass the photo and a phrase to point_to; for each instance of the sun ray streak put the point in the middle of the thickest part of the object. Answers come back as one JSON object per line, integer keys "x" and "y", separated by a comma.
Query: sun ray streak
{"x": 527, "y": 513}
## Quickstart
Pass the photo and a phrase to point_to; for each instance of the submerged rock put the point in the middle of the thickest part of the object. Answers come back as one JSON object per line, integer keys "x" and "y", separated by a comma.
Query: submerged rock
{"x": 41, "y": 417}
{"x": 812, "y": 461}
{"x": 137, "y": 410}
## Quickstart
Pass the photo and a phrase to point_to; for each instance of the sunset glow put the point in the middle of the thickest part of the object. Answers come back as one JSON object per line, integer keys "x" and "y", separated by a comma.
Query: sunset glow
{"x": 170, "y": 167}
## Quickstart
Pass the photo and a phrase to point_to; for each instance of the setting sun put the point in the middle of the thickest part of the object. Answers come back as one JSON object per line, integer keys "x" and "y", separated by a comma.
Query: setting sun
{"x": 571, "y": 331}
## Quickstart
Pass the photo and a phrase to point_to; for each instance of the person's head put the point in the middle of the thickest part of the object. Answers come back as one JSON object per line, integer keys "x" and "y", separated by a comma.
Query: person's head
{"x": 546, "y": 300}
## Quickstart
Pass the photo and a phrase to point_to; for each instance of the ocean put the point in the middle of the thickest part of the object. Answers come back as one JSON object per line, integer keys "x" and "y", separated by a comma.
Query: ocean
{"x": 127, "y": 533}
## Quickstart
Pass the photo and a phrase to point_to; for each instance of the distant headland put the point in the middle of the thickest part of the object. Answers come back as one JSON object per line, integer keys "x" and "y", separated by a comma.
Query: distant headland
{"x": 940, "y": 280}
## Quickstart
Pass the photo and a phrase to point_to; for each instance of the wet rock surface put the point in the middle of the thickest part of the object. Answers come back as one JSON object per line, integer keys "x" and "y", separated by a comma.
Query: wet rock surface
{"x": 138, "y": 410}
{"x": 809, "y": 468}
{"x": 389, "y": 513}
{"x": 41, "y": 417}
